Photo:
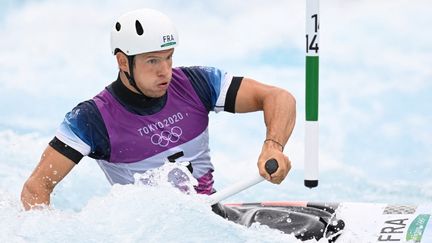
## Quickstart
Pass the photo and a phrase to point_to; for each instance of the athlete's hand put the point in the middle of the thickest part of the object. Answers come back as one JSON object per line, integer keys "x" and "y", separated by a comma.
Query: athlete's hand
{"x": 271, "y": 150}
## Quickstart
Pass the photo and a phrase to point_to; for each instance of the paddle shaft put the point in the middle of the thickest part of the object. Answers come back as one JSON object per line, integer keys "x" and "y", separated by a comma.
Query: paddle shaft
{"x": 271, "y": 167}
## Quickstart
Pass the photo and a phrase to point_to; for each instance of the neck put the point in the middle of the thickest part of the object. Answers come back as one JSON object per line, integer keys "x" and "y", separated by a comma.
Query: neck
{"x": 126, "y": 83}
{"x": 134, "y": 101}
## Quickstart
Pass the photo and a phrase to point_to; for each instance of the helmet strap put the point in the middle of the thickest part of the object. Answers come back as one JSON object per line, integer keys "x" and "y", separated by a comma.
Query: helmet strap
{"x": 130, "y": 77}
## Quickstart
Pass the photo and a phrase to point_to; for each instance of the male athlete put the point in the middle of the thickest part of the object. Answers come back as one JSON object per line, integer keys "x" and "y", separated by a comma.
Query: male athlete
{"x": 154, "y": 112}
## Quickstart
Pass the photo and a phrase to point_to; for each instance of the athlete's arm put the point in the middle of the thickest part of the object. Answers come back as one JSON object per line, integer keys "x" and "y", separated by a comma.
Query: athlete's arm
{"x": 279, "y": 108}
{"x": 52, "y": 168}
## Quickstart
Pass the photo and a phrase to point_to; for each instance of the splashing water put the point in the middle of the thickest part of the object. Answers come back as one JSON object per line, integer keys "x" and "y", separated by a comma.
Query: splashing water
{"x": 130, "y": 213}
{"x": 170, "y": 174}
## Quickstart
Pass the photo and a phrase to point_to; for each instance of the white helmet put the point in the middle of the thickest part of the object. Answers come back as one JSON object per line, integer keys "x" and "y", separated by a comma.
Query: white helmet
{"x": 143, "y": 30}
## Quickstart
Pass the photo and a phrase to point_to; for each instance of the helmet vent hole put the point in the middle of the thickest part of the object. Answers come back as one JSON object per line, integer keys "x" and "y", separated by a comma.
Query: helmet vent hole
{"x": 139, "y": 28}
{"x": 118, "y": 26}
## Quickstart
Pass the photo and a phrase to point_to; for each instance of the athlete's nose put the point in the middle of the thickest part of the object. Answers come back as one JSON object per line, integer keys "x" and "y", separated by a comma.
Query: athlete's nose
{"x": 165, "y": 68}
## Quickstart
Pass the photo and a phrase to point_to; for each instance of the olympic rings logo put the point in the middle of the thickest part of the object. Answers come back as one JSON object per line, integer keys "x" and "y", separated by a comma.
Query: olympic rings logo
{"x": 166, "y": 137}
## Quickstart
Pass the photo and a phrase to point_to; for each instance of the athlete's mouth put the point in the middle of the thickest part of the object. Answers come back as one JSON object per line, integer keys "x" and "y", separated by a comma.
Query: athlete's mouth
{"x": 163, "y": 85}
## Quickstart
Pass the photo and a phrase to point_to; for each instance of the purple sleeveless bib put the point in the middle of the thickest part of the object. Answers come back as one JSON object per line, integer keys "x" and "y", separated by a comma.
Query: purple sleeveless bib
{"x": 134, "y": 138}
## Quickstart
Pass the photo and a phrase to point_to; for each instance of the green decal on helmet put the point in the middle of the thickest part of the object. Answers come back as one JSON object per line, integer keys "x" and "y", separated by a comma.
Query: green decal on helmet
{"x": 169, "y": 44}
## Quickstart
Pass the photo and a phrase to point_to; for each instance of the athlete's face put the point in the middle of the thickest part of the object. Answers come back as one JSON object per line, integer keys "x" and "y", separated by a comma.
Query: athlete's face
{"x": 153, "y": 71}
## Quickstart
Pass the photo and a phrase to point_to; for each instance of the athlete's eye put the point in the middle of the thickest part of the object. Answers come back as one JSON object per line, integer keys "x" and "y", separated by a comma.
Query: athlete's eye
{"x": 153, "y": 61}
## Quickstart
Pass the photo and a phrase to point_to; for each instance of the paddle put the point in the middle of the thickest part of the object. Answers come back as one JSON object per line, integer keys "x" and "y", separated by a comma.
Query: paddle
{"x": 271, "y": 167}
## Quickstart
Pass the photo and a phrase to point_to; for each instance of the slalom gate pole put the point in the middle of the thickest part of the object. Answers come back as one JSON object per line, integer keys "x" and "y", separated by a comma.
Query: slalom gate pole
{"x": 311, "y": 96}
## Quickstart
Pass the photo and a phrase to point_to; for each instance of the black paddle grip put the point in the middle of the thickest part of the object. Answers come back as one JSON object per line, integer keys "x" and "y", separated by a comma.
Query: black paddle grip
{"x": 271, "y": 166}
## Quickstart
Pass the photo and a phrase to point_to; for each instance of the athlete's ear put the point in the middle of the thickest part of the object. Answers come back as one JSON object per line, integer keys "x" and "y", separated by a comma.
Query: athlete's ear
{"x": 122, "y": 62}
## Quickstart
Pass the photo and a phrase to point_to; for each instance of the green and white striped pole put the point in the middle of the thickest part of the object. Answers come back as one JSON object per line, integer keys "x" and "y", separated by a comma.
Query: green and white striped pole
{"x": 312, "y": 74}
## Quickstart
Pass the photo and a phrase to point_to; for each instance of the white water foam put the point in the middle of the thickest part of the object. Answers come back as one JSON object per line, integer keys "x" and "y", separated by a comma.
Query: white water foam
{"x": 129, "y": 213}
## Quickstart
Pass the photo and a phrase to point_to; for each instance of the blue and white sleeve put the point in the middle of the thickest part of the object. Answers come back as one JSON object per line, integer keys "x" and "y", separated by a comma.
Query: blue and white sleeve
{"x": 216, "y": 88}
{"x": 67, "y": 136}
{"x": 82, "y": 131}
